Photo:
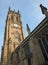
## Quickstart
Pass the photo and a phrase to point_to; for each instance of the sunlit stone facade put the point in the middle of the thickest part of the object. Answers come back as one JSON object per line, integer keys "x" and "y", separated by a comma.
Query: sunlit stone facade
{"x": 13, "y": 36}
{"x": 33, "y": 50}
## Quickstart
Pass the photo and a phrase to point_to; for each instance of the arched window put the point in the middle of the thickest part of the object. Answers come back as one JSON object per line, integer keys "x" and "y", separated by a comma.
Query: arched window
{"x": 17, "y": 19}
{"x": 44, "y": 49}
{"x": 12, "y": 17}
{"x": 16, "y": 37}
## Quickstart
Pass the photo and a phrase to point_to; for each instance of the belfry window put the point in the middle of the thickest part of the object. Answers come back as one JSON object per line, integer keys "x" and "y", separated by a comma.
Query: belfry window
{"x": 17, "y": 19}
{"x": 12, "y": 18}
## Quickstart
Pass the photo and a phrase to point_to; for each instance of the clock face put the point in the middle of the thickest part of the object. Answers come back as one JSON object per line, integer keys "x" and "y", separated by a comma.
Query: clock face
{"x": 15, "y": 25}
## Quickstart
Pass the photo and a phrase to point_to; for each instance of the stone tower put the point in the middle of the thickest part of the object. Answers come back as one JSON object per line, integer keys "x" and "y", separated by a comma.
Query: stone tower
{"x": 13, "y": 34}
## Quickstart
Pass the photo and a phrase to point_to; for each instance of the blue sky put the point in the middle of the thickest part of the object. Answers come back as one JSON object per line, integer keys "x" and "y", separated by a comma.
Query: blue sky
{"x": 29, "y": 10}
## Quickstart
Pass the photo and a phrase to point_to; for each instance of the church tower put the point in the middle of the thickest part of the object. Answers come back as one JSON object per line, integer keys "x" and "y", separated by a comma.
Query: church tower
{"x": 13, "y": 34}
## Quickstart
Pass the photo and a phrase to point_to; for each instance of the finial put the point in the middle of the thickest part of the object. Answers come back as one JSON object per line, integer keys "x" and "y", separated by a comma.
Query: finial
{"x": 9, "y": 8}
{"x": 44, "y": 9}
{"x": 28, "y": 29}
{"x": 18, "y": 11}
{"x": 14, "y": 10}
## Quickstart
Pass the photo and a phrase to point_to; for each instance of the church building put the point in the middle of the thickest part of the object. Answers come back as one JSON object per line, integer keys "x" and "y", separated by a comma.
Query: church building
{"x": 18, "y": 50}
